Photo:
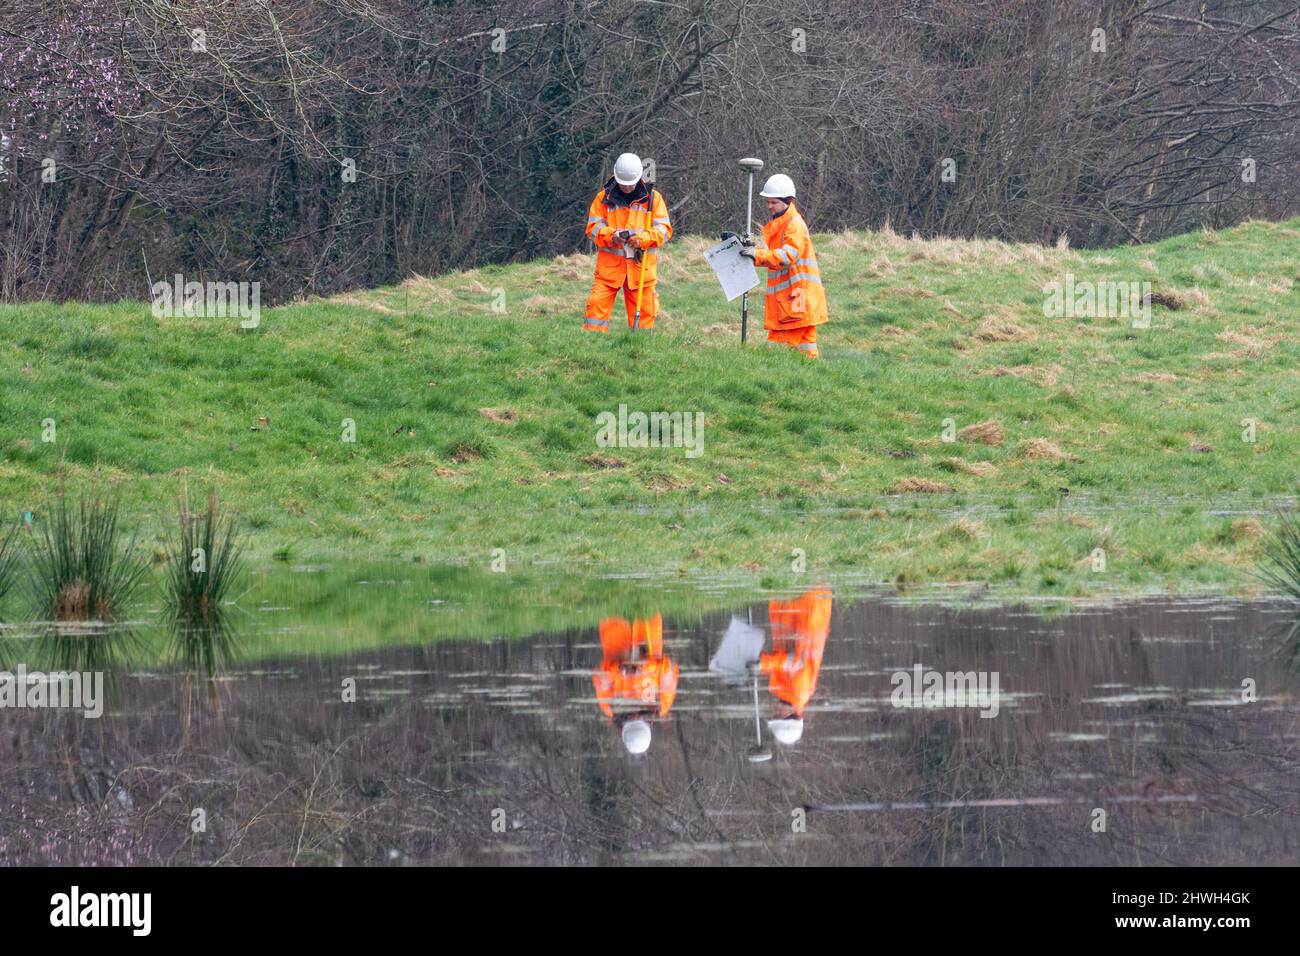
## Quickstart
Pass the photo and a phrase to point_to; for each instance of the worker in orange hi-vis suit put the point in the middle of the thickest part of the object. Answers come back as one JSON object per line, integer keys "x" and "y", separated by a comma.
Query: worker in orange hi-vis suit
{"x": 796, "y": 303}
{"x": 799, "y": 631}
{"x": 628, "y": 221}
{"x": 635, "y": 683}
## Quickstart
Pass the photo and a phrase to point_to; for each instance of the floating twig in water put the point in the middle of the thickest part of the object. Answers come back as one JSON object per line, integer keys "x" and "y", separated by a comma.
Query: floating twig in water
{"x": 996, "y": 802}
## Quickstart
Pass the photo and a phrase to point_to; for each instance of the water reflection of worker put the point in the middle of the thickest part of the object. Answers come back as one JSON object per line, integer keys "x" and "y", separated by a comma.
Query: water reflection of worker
{"x": 635, "y": 683}
{"x": 799, "y": 631}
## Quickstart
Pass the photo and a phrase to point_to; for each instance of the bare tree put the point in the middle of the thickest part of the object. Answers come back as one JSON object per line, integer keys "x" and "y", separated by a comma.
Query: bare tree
{"x": 319, "y": 145}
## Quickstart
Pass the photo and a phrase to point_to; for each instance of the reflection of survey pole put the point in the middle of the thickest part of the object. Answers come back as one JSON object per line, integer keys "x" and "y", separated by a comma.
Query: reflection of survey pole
{"x": 758, "y": 753}
{"x": 752, "y": 166}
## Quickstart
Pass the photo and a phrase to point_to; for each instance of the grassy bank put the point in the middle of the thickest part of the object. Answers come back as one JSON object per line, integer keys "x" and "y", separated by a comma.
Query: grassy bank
{"x": 476, "y": 429}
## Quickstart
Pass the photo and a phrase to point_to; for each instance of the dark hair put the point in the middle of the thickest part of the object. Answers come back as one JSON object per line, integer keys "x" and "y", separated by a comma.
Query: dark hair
{"x": 648, "y": 714}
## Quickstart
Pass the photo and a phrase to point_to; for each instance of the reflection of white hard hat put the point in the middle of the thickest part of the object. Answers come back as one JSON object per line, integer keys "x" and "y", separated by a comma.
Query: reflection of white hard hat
{"x": 778, "y": 187}
{"x": 787, "y": 731}
{"x": 627, "y": 169}
{"x": 636, "y": 736}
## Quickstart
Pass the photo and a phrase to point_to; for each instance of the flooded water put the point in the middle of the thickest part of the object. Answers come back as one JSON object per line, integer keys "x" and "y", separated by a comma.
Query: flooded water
{"x": 804, "y": 728}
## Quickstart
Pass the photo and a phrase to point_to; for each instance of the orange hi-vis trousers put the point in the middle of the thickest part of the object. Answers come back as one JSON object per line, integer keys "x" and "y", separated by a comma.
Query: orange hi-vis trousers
{"x": 600, "y": 304}
{"x": 803, "y": 338}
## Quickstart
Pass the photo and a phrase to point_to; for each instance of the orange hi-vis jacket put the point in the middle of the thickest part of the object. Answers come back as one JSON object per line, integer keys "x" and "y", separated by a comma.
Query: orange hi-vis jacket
{"x": 647, "y": 217}
{"x": 799, "y": 631}
{"x": 795, "y": 297}
{"x": 634, "y": 672}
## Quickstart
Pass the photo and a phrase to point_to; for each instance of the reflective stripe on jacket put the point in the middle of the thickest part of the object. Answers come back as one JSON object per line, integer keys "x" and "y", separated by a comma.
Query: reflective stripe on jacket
{"x": 647, "y": 217}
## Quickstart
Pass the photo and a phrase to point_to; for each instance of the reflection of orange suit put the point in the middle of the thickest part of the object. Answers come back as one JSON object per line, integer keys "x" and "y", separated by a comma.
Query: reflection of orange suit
{"x": 634, "y": 671}
{"x": 799, "y": 631}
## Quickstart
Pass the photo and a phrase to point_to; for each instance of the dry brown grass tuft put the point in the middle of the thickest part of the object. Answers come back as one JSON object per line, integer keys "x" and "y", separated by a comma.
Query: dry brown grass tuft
{"x": 942, "y": 249}
{"x": 1246, "y": 529}
{"x": 981, "y": 469}
{"x": 661, "y": 483}
{"x": 360, "y": 303}
{"x": 880, "y": 267}
{"x": 1045, "y": 375}
{"x": 985, "y": 433}
{"x": 1040, "y": 449}
{"x": 919, "y": 486}
{"x": 1171, "y": 300}
{"x": 997, "y": 328}
{"x": 546, "y": 305}
{"x": 1251, "y": 347}
{"x": 598, "y": 460}
{"x": 845, "y": 239}
{"x": 573, "y": 266}
{"x": 507, "y": 416}
{"x": 422, "y": 289}
{"x": 72, "y": 603}
{"x": 965, "y": 529}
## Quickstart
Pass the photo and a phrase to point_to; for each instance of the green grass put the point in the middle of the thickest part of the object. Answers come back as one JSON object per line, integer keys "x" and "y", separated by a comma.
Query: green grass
{"x": 10, "y": 557}
{"x": 1143, "y": 426}
{"x": 205, "y": 566}
{"x": 204, "y": 561}
{"x": 83, "y": 566}
{"x": 1281, "y": 565}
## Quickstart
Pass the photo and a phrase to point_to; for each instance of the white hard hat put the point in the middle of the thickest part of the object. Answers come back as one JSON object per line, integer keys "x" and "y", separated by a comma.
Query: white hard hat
{"x": 636, "y": 736}
{"x": 627, "y": 169}
{"x": 778, "y": 187}
{"x": 786, "y": 731}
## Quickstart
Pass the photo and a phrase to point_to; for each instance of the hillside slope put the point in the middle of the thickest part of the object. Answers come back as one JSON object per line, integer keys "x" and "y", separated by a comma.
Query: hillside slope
{"x": 476, "y": 428}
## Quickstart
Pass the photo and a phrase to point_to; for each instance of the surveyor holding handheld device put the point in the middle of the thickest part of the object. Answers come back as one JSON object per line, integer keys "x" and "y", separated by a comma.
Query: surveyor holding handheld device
{"x": 795, "y": 302}
{"x": 628, "y": 221}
